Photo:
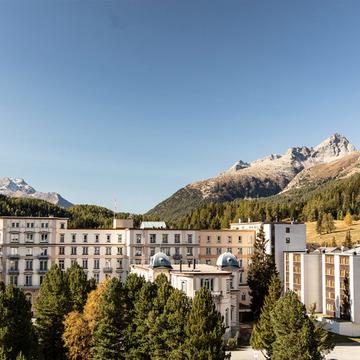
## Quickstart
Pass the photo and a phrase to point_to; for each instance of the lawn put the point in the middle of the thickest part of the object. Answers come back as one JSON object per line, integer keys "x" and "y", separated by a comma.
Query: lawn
{"x": 339, "y": 233}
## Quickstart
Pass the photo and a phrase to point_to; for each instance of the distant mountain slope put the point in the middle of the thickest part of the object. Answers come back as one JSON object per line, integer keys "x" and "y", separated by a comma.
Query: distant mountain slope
{"x": 260, "y": 178}
{"x": 17, "y": 187}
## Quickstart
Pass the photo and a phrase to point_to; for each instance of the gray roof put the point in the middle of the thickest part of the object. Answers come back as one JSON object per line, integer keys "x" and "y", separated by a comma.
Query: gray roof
{"x": 160, "y": 260}
{"x": 153, "y": 225}
{"x": 227, "y": 259}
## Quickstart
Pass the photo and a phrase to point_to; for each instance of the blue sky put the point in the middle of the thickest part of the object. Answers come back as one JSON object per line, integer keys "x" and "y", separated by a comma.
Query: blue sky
{"x": 134, "y": 99}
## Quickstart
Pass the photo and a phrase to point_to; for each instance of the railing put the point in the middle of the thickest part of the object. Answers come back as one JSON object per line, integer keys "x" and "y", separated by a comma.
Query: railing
{"x": 107, "y": 269}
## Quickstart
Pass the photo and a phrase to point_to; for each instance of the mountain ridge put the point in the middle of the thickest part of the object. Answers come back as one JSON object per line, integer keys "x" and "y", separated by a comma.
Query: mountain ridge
{"x": 19, "y": 188}
{"x": 260, "y": 178}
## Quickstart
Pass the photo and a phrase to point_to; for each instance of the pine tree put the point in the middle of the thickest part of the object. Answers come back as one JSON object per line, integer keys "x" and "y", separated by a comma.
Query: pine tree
{"x": 295, "y": 334}
{"x": 328, "y": 224}
{"x": 333, "y": 242}
{"x": 52, "y": 305}
{"x": 204, "y": 329}
{"x": 108, "y": 336}
{"x": 262, "y": 337}
{"x": 348, "y": 219}
{"x": 138, "y": 340}
{"x": 79, "y": 286}
{"x": 347, "y": 243}
{"x": 16, "y": 329}
{"x": 345, "y": 308}
{"x": 260, "y": 271}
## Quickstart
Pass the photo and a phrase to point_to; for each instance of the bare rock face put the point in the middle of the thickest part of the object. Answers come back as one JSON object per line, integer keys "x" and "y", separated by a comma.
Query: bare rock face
{"x": 17, "y": 187}
{"x": 259, "y": 178}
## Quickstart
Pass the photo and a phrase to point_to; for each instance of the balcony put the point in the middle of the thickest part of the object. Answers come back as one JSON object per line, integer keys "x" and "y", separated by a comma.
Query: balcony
{"x": 107, "y": 270}
{"x": 43, "y": 256}
{"x": 13, "y": 256}
{"x": 42, "y": 271}
{"x": 119, "y": 269}
{"x": 13, "y": 271}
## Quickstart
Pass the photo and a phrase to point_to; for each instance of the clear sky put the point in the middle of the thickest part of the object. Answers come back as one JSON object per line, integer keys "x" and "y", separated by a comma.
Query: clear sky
{"x": 134, "y": 99}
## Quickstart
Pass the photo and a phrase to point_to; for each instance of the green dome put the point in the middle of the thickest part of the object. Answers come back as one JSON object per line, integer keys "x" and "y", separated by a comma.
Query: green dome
{"x": 227, "y": 259}
{"x": 160, "y": 260}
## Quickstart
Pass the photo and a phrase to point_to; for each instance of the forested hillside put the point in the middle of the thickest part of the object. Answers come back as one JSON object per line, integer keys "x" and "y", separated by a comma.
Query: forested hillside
{"x": 80, "y": 216}
{"x": 337, "y": 198}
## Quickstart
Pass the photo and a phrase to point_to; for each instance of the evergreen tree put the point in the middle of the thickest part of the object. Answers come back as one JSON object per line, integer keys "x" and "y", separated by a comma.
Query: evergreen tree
{"x": 260, "y": 271}
{"x": 204, "y": 329}
{"x": 319, "y": 224}
{"x": 333, "y": 242}
{"x": 138, "y": 346}
{"x": 79, "y": 286}
{"x": 52, "y": 305}
{"x": 262, "y": 337}
{"x": 348, "y": 219}
{"x": 328, "y": 223}
{"x": 345, "y": 308}
{"x": 295, "y": 334}
{"x": 108, "y": 336}
{"x": 16, "y": 329}
{"x": 348, "y": 241}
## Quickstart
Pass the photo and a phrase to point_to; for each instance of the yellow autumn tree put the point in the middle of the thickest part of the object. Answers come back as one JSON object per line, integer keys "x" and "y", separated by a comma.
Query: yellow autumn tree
{"x": 348, "y": 219}
{"x": 78, "y": 327}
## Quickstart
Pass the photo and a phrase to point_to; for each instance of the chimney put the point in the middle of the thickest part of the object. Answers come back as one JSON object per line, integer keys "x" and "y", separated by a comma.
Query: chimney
{"x": 180, "y": 265}
{"x": 194, "y": 264}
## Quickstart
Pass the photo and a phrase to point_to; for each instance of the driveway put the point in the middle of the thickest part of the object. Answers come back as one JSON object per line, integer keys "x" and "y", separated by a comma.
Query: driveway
{"x": 350, "y": 351}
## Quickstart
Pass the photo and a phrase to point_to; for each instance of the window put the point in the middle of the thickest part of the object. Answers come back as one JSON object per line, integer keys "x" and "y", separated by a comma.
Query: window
{"x": 189, "y": 251}
{"x": 119, "y": 251}
{"x": 152, "y": 251}
{"x": 29, "y": 238}
{"x": 108, "y": 238}
{"x": 44, "y": 237}
{"x": 165, "y": 250}
{"x": 241, "y": 278}
{"x": 219, "y": 239}
{"x": 229, "y": 250}
{"x": 152, "y": 239}
{"x": 41, "y": 278}
{"x": 44, "y": 252}
{"x": 208, "y": 251}
{"x": 190, "y": 238}
{"x": 28, "y": 265}
{"x": 44, "y": 225}
{"x": 240, "y": 263}
{"x": 14, "y": 280}
{"x": 62, "y": 264}
{"x": 287, "y": 240}
{"x": 177, "y": 238}
{"x": 119, "y": 238}
{"x": 177, "y": 250}
{"x": 240, "y": 239}
{"x": 85, "y": 263}
{"x": 96, "y": 264}
{"x": 227, "y": 318}
{"x": 138, "y": 251}
{"x": 218, "y": 251}
{"x": 62, "y": 238}
{"x": 208, "y": 262}
{"x": 108, "y": 251}
{"x": 208, "y": 283}
{"x": 62, "y": 250}
{"x": 287, "y": 230}
{"x": 28, "y": 280}
{"x": 62, "y": 225}
{"x": 96, "y": 277}
{"x": 229, "y": 239}
{"x": 96, "y": 238}
{"x": 73, "y": 250}
{"x": 119, "y": 264}
{"x": 183, "y": 285}
{"x": 43, "y": 265}
{"x": 209, "y": 239}
{"x": 73, "y": 238}
{"x": 165, "y": 238}
{"x": 73, "y": 262}
{"x": 85, "y": 238}
{"x": 14, "y": 238}
{"x": 96, "y": 250}
{"x": 29, "y": 251}
{"x": 240, "y": 251}
{"x": 85, "y": 250}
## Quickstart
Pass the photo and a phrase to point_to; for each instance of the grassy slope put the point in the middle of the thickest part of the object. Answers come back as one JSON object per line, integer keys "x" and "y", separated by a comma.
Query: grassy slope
{"x": 339, "y": 233}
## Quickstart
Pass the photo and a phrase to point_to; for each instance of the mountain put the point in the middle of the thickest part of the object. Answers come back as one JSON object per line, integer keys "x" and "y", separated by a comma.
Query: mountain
{"x": 260, "y": 178}
{"x": 16, "y": 187}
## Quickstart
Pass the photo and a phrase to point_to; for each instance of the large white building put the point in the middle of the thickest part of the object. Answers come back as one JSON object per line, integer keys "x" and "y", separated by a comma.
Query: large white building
{"x": 223, "y": 281}
{"x": 318, "y": 277}
{"x": 282, "y": 237}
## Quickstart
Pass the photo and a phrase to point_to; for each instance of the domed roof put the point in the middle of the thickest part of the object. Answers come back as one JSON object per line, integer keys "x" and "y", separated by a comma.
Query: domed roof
{"x": 227, "y": 259}
{"x": 160, "y": 260}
